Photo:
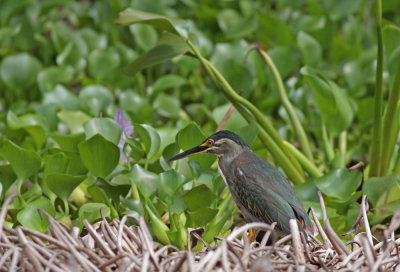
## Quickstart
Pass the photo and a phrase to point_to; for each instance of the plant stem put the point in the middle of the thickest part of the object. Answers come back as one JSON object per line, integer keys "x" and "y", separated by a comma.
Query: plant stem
{"x": 294, "y": 119}
{"x": 327, "y": 144}
{"x": 376, "y": 149}
{"x": 343, "y": 147}
{"x": 391, "y": 123}
{"x": 304, "y": 161}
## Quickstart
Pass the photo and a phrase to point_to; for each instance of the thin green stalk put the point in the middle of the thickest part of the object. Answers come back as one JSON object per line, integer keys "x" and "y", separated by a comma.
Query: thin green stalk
{"x": 376, "y": 149}
{"x": 304, "y": 161}
{"x": 343, "y": 147}
{"x": 327, "y": 144}
{"x": 391, "y": 124}
{"x": 294, "y": 119}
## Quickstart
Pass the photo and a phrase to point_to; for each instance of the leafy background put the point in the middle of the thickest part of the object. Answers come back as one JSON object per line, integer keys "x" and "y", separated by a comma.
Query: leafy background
{"x": 93, "y": 104}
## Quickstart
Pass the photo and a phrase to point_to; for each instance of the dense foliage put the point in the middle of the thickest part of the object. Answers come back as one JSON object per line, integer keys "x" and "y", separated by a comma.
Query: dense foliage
{"x": 96, "y": 96}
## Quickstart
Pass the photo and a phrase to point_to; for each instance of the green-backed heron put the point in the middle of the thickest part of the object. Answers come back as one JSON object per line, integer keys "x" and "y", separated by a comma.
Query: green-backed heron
{"x": 260, "y": 191}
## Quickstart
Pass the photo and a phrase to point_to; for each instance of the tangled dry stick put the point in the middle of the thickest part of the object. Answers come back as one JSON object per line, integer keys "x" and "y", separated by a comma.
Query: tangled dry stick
{"x": 114, "y": 246}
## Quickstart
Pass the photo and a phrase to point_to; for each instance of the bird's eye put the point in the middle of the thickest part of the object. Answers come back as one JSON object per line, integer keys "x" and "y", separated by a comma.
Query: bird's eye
{"x": 210, "y": 142}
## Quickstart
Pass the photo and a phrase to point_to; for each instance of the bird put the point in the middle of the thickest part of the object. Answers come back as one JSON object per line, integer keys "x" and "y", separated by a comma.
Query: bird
{"x": 260, "y": 191}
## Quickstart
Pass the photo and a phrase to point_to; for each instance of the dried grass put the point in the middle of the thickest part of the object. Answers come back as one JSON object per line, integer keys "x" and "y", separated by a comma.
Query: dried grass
{"x": 114, "y": 246}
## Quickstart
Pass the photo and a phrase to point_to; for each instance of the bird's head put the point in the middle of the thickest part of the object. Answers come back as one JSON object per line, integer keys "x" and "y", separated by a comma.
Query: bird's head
{"x": 221, "y": 143}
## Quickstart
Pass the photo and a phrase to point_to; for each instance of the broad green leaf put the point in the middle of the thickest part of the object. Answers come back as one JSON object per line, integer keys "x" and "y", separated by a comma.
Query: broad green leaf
{"x": 68, "y": 142}
{"x": 310, "y": 49}
{"x": 199, "y": 197}
{"x": 25, "y": 163}
{"x": 235, "y": 121}
{"x": 113, "y": 190}
{"x": 307, "y": 191}
{"x": 103, "y": 63}
{"x": 34, "y": 124}
{"x": 201, "y": 217}
{"x": 146, "y": 181}
{"x": 168, "y": 184}
{"x": 19, "y": 71}
{"x": 169, "y": 82}
{"x": 49, "y": 77}
{"x": 235, "y": 26}
{"x": 95, "y": 99}
{"x": 29, "y": 216}
{"x": 167, "y": 105}
{"x": 91, "y": 211}
{"x": 339, "y": 183}
{"x": 99, "y": 155}
{"x": 168, "y": 46}
{"x": 63, "y": 184}
{"x": 131, "y": 16}
{"x": 106, "y": 127}
{"x": 74, "y": 120}
{"x": 151, "y": 139}
{"x": 145, "y": 35}
{"x": 191, "y": 136}
{"x": 334, "y": 106}
{"x": 7, "y": 177}
{"x": 72, "y": 56}
{"x": 248, "y": 133}
{"x": 55, "y": 163}
{"x": 61, "y": 97}
{"x": 374, "y": 187}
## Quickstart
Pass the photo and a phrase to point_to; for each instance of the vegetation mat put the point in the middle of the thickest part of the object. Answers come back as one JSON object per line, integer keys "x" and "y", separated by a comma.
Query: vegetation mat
{"x": 115, "y": 246}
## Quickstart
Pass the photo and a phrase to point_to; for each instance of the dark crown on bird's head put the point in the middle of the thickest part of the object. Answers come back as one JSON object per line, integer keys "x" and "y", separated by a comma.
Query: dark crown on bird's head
{"x": 225, "y": 134}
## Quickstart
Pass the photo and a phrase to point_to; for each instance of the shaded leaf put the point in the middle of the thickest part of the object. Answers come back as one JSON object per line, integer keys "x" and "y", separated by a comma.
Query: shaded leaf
{"x": 99, "y": 155}
{"x": 168, "y": 184}
{"x": 374, "y": 187}
{"x": 29, "y": 216}
{"x": 146, "y": 181}
{"x": 150, "y": 138}
{"x": 199, "y": 197}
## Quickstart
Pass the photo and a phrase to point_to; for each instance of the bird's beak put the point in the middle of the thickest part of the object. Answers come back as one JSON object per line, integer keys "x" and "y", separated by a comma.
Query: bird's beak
{"x": 195, "y": 150}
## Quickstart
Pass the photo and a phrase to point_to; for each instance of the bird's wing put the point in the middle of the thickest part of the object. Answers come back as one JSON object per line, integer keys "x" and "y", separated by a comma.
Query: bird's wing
{"x": 273, "y": 198}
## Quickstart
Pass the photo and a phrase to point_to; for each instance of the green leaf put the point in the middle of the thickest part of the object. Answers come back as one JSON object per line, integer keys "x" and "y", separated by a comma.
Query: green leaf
{"x": 91, "y": 211}
{"x": 63, "y": 184}
{"x": 333, "y": 104}
{"x": 374, "y": 187}
{"x": 159, "y": 227}
{"x": 95, "y": 99}
{"x": 55, "y": 163}
{"x": 19, "y": 71}
{"x": 106, "y": 127}
{"x": 234, "y": 123}
{"x": 25, "y": 163}
{"x": 131, "y": 16}
{"x": 169, "y": 82}
{"x": 103, "y": 63}
{"x": 49, "y": 77}
{"x": 167, "y": 105}
{"x": 68, "y": 142}
{"x": 235, "y": 26}
{"x": 73, "y": 119}
{"x": 99, "y": 155}
{"x": 150, "y": 138}
{"x": 146, "y": 181}
{"x": 248, "y": 133}
{"x": 61, "y": 97}
{"x": 168, "y": 46}
{"x": 145, "y": 35}
{"x": 310, "y": 49}
{"x": 191, "y": 136}
{"x": 29, "y": 216}
{"x": 199, "y": 197}
{"x": 34, "y": 124}
{"x": 339, "y": 183}
{"x": 168, "y": 184}
{"x": 7, "y": 177}
{"x": 202, "y": 217}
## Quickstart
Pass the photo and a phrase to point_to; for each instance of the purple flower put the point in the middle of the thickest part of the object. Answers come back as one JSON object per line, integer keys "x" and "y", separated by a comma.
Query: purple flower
{"x": 126, "y": 128}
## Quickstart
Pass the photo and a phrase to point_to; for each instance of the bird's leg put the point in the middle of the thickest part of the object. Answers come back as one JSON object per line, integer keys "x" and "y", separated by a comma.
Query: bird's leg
{"x": 251, "y": 235}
